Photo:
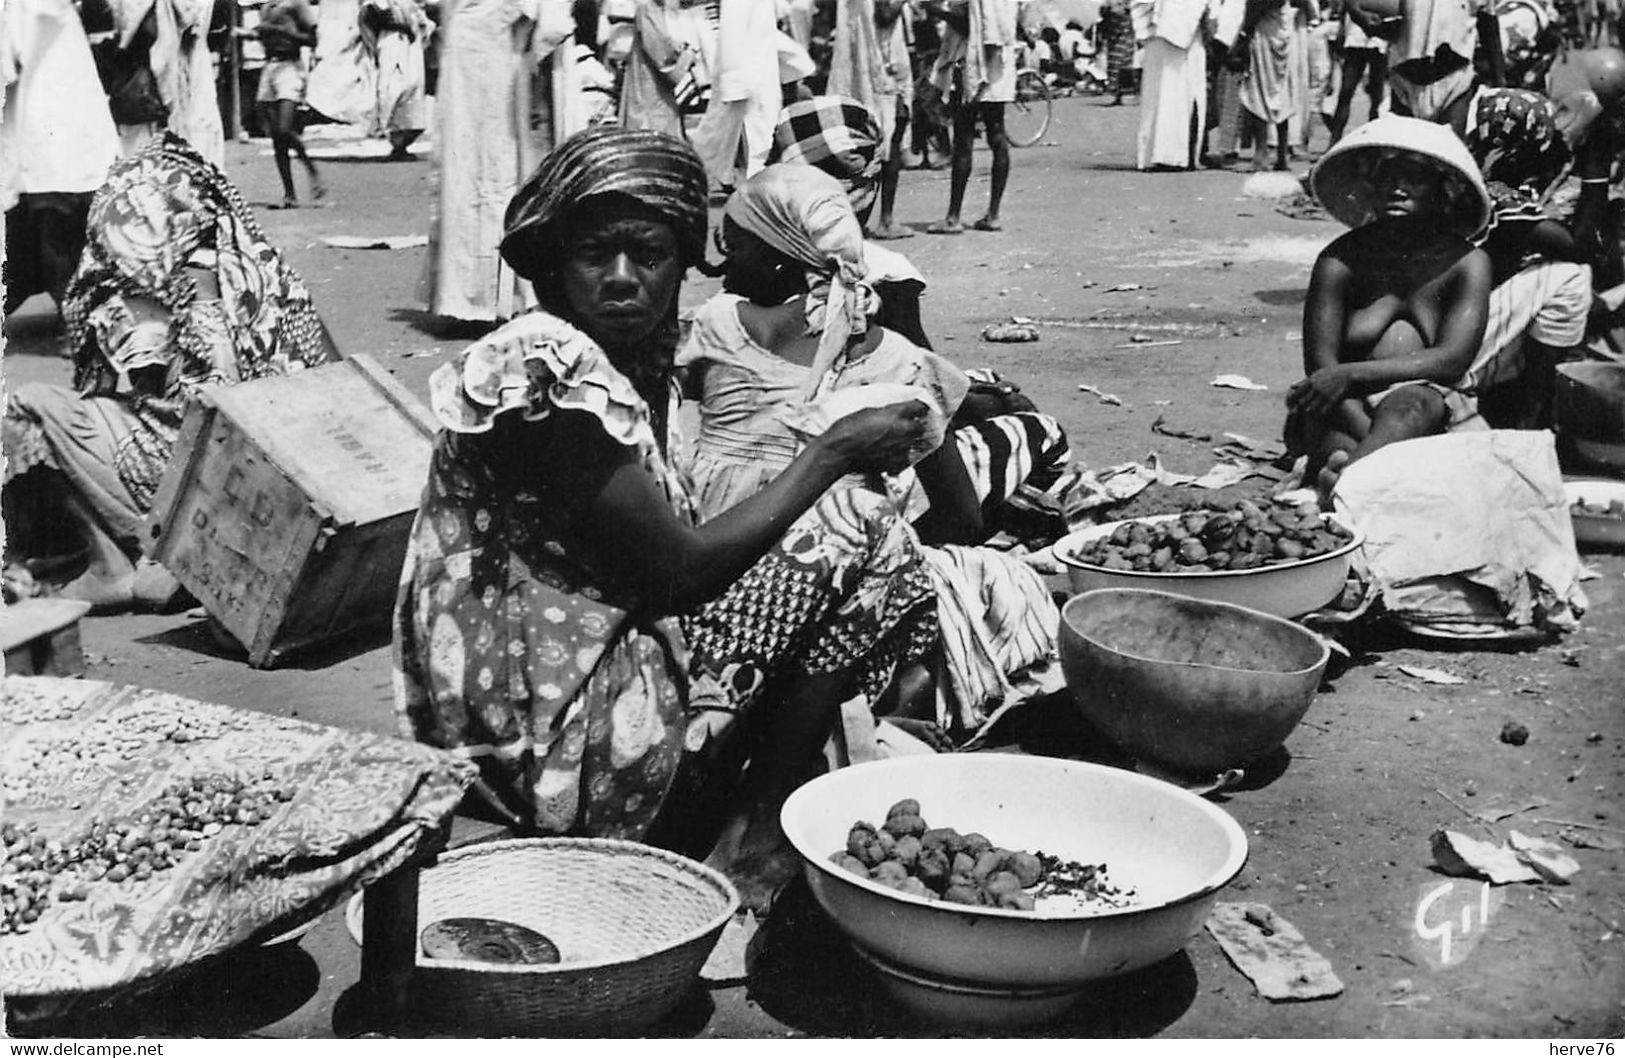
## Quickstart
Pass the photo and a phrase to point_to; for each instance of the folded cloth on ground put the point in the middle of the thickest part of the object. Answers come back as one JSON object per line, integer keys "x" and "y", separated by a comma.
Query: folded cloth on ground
{"x": 1468, "y": 532}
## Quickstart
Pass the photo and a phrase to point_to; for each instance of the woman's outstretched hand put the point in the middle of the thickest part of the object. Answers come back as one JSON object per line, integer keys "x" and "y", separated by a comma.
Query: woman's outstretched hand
{"x": 878, "y": 439}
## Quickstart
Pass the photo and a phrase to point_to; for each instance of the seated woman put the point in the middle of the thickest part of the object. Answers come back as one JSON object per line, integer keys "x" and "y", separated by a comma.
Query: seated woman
{"x": 1396, "y": 308}
{"x": 841, "y": 137}
{"x": 177, "y": 289}
{"x": 1544, "y": 262}
{"x": 794, "y": 323}
{"x": 565, "y": 620}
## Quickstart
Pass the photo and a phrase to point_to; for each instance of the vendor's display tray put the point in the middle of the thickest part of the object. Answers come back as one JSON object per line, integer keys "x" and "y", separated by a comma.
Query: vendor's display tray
{"x": 87, "y": 765}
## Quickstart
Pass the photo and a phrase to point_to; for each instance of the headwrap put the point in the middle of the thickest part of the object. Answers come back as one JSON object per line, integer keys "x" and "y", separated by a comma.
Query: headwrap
{"x": 656, "y": 169}
{"x": 804, "y": 214}
{"x": 837, "y": 134}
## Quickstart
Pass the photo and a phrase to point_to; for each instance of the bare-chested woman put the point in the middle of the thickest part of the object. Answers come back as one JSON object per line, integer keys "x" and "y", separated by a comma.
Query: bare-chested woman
{"x": 1396, "y": 308}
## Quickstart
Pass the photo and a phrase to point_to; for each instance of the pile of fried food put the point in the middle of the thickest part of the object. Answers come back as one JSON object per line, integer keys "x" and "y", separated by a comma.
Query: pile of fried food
{"x": 1246, "y": 536}
{"x": 941, "y": 863}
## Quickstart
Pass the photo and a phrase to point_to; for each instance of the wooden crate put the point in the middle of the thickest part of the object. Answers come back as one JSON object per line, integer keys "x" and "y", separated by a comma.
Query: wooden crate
{"x": 287, "y": 508}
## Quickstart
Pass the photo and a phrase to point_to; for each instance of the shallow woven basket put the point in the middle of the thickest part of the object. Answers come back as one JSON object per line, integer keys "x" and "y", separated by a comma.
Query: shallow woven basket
{"x": 633, "y": 925}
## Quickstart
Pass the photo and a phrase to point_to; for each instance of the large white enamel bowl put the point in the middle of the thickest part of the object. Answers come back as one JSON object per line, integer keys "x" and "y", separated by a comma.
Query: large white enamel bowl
{"x": 1176, "y": 850}
{"x": 1289, "y": 589}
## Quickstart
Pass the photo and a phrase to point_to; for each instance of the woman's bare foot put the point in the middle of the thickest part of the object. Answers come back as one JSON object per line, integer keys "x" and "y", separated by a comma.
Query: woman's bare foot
{"x": 926, "y": 731}
{"x": 757, "y": 858}
{"x": 948, "y": 226}
{"x": 105, "y": 592}
{"x": 891, "y": 230}
{"x": 1326, "y": 480}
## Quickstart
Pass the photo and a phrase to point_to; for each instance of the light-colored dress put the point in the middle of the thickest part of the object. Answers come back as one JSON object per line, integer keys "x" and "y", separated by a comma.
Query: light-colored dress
{"x": 375, "y": 79}
{"x": 515, "y": 645}
{"x": 743, "y": 442}
{"x": 997, "y": 621}
{"x": 489, "y": 92}
{"x": 657, "y": 61}
{"x": 1269, "y": 90}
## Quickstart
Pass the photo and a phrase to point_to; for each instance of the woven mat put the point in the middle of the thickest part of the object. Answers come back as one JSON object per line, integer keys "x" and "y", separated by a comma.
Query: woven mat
{"x": 361, "y": 806}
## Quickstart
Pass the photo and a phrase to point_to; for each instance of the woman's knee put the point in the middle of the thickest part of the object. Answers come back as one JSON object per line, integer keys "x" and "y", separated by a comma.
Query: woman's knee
{"x": 1414, "y": 410}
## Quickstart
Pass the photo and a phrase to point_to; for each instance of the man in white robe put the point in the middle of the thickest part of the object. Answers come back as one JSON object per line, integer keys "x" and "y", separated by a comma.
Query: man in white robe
{"x": 1173, "y": 86}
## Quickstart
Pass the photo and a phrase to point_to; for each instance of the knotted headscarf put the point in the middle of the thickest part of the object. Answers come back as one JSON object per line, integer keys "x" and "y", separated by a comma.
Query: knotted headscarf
{"x": 837, "y": 134}
{"x": 804, "y": 214}
{"x": 657, "y": 169}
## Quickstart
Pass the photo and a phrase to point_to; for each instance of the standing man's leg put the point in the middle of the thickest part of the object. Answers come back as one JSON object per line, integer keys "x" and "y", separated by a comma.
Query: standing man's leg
{"x": 285, "y": 137}
{"x": 963, "y": 116}
{"x": 890, "y": 171}
{"x": 998, "y": 141}
{"x": 1355, "y": 67}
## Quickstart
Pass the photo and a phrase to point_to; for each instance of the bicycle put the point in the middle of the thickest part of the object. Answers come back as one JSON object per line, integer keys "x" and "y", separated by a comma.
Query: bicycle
{"x": 1027, "y": 119}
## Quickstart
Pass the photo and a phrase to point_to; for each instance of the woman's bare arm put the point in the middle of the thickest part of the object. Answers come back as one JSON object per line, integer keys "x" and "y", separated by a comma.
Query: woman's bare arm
{"x": 955, "y": 516}
{"x": 1326, "y": 312}
{"x": 626, "y": 520}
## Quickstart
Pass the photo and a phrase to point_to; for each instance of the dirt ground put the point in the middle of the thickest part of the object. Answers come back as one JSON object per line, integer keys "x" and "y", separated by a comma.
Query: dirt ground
{"x": 1146, "y": 286}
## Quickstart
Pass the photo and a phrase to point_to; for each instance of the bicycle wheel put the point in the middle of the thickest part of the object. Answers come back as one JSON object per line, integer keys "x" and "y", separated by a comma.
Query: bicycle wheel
{"x": 1027, "y": 119}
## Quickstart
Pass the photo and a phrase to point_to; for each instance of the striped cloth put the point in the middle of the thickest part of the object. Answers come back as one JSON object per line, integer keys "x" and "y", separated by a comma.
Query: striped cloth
{"x": 657, "y": 169}
{"x": 999, "y": 626}
{"x": 1018, "y": 465}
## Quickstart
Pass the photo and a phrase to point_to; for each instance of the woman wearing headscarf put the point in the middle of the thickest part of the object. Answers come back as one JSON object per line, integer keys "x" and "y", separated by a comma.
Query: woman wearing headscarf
{"x": 177, "y": 289}
{"x": 564, "y": 619}
{"x": 1016, "y": 457}
{"x": 793, "y": 332}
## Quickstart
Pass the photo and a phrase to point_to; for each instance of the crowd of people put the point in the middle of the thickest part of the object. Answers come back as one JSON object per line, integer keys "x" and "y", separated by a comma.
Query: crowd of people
{"x": 642, "y": 635}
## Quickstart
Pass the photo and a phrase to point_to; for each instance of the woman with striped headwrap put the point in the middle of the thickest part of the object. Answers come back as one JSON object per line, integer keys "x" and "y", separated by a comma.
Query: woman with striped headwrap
{"x": 562, "y": 617}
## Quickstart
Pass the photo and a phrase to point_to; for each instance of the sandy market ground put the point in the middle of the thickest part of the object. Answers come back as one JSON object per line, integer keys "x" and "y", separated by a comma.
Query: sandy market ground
{"x": 1146, "y": 286}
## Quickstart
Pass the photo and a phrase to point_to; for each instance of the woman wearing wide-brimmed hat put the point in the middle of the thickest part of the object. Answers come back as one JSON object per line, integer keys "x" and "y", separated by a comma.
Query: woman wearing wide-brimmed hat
{"x": 1397, "y": 307}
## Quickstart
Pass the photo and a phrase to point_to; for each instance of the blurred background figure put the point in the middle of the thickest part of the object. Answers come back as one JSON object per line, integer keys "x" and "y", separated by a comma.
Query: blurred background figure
{"x": 172, "y": 38}
{"x": 1362, "y": 58}
{"x": 56, "y": 143}
{"x": 737, "y": 131}
{"x": 376, "y": 77}
{"x": 659, "y": 62}
{"x": 498, "y": 114}
{"x": 1174, "y": 91}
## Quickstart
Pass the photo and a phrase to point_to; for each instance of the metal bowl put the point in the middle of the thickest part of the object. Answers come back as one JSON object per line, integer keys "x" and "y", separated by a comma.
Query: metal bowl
{"x": 1288, "y": 589}
{"x": 1599, "y": 531}
{"x": 1189, "y": 685}
{"x": 1176, "y": 850}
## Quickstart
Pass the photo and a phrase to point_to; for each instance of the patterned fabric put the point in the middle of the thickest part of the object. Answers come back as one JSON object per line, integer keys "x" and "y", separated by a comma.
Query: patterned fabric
{"x": 359, "y": 807}
{"x": 659, "y": 170}
{"x": 837, "y": 134}
{"x": 1513, "y": 135}
{"x": 559, "y": 677}
{"x": 142, "y": 336}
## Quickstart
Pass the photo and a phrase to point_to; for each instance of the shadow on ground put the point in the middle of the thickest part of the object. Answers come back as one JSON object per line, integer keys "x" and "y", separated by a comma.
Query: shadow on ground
{"x": 804, "y": 974}
{"x": 236, "y": 994}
